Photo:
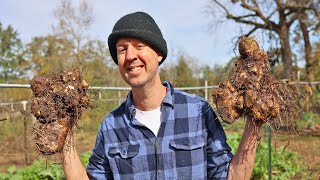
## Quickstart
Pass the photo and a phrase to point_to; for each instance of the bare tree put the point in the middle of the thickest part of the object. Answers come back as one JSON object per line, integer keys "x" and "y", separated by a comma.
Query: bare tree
{"x": 309, "y": 22}
{"x": 276, "y": 16}
{"x": 73, "y": 24}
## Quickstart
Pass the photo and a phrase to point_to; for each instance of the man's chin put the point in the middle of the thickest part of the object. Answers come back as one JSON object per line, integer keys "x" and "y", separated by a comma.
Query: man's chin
{"x": 136, "y": 84}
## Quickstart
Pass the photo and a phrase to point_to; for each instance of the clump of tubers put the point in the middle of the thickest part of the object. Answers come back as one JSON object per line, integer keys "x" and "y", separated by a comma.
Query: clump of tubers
{"x": 252, "y": 90}
{"x": 57, "y": 103}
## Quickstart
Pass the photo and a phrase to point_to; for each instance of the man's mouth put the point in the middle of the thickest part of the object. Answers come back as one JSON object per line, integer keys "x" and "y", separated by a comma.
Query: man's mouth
{"x": 135, "y": 69}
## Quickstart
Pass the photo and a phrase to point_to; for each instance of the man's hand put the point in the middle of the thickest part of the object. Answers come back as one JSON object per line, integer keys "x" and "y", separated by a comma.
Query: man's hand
{"x": 242, "y": 163}
{"x": 72, "y": 166}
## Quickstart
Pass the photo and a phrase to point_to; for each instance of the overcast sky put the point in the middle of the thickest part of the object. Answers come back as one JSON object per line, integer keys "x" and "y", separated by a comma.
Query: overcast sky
{"x": 184, "y": 24}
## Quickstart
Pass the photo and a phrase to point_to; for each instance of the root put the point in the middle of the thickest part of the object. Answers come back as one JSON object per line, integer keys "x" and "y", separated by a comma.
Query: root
{"x": 57, "y": 102}
{"x": 253, "y": 91}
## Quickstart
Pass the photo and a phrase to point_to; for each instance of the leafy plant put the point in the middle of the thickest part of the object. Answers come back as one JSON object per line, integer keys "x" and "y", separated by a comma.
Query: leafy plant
{"x": 85, "y": 158}
{"x": 285, "y": 163}
{"x": 39, "y": 170}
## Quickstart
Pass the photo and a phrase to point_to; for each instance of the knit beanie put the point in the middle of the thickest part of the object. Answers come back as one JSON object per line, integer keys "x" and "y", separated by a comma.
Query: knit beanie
{"x": 138, "y": 25}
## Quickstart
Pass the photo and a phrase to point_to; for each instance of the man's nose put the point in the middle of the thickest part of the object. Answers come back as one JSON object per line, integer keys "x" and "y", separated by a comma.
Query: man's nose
{"x": 131, "y": 54}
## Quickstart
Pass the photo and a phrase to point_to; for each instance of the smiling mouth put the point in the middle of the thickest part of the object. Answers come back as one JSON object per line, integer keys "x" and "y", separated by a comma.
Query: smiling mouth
{"x": 135, "y": 69}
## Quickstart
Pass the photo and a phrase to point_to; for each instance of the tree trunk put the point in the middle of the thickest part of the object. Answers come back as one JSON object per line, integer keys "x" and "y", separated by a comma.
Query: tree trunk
{"x": 303, "y": 21}
{"x": 307, "y": 46}
{"x": 286, "y": 51}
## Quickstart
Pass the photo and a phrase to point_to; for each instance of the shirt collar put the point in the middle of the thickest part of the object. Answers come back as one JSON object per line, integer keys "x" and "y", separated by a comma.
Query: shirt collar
{"x": 169, "y": 98}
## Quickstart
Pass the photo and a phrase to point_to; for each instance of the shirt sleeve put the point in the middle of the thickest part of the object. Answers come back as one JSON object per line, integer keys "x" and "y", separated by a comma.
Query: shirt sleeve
{"x": 98, "y": 167}
{"x": 218, "y": 151}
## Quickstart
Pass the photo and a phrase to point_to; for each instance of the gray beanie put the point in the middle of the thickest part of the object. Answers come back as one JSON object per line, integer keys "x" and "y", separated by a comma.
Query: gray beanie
{"x": 138, "y": 25}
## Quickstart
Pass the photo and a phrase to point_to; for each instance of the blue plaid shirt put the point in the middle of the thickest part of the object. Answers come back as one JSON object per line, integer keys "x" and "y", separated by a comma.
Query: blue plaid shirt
{"x": 190, "y": 143}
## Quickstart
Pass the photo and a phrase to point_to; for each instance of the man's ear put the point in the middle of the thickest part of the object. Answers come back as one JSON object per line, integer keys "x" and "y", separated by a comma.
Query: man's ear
{"x": 160, "y": 57}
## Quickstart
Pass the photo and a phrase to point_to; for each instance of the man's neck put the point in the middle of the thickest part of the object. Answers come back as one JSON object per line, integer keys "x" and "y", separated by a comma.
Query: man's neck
{"x": 149, "y": 98}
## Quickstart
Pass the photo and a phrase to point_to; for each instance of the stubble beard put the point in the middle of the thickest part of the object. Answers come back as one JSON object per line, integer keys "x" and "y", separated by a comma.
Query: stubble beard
{"x": 147, "y": 79}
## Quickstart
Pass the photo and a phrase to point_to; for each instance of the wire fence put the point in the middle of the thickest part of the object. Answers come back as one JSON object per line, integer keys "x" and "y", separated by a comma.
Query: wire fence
{"x": 12, "y": 110}
{"x": 99, "y": 90}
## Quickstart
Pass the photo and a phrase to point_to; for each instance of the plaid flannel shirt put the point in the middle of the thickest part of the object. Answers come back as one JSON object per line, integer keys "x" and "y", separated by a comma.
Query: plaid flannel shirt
{"x": 190, "y": 143}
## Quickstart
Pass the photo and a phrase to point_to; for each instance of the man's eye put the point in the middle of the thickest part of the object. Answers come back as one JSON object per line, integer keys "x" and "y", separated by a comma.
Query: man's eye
{"x": 141, "y": 45}
{"x": 121, "y": 50}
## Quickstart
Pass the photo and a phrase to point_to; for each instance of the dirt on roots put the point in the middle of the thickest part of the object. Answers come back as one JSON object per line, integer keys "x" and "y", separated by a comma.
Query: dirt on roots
{"x": 252, "y": 90}
{"x": 57, "y": 102}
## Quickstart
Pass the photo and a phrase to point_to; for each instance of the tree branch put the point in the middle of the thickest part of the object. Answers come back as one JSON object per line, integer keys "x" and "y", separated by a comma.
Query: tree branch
{"x": 240, "y": 20}
{"x": 279, "y": 4}
{"x": 252, "y": 31}
{"x": 259, "y": 14}
{"x": 255, "y": 9}
{"x": 246, "y": 16}
{"x": 298, "y": 10}
{"x": 222, "y": 6}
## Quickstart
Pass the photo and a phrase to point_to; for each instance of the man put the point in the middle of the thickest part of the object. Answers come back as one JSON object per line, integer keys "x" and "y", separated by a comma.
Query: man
{"x": 159, "y": 132}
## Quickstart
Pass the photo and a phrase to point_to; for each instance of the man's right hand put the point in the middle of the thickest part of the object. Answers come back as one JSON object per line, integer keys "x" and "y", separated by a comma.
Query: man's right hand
{"x": 72, "y": 165}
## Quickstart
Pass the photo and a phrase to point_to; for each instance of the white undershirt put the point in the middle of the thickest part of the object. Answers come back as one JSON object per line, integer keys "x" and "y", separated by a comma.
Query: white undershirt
{"x": 151, "y": 119}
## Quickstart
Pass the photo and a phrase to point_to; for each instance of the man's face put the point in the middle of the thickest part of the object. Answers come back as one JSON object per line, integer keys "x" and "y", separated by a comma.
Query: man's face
{"x": 138, "y": 62}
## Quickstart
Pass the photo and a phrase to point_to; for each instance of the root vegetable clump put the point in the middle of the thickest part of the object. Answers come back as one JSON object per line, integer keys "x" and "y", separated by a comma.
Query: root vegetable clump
{"x": 57, "y": 102}
{"x": 252, "y": 90}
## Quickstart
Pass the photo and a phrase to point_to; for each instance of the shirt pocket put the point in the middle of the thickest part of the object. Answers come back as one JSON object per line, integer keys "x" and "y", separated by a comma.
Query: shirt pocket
{"x": 187, "y": 143}
{"x": 124, "y": 159}
{"x": 188, "y": 152}
{"x": 124, "y": 151}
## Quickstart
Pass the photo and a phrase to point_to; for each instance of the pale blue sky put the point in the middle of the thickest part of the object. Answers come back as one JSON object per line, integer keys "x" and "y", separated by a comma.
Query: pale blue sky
{"x": 184, "y": 24}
